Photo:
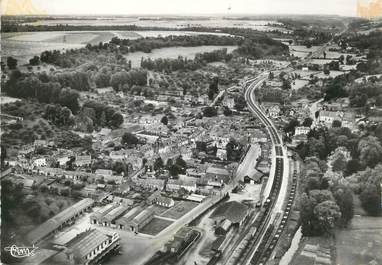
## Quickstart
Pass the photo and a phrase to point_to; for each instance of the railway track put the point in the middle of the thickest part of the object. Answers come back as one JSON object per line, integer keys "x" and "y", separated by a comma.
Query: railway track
{"x": 263, "y": 255}
{"x": 262, "y": 226}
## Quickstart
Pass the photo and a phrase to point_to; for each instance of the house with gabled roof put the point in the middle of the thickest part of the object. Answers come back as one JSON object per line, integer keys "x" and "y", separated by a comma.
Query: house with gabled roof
{"x": 141, "y": 220}
{"x": 124, "y": 221}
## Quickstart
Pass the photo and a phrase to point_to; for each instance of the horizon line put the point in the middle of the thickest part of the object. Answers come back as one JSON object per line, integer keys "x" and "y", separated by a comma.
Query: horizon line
{"x": 184, "y": 15}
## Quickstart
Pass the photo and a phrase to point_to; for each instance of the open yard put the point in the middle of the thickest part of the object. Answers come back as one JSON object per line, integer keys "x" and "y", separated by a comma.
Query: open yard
{"x": 155, "y": 226}
{"x": 322, "y": 243}
{"x": 180, "y": 209}
{"x": 361, "y": 243}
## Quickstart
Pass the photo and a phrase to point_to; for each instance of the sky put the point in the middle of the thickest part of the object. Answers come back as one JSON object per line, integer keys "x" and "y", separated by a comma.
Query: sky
{"x": 181, "y": 7}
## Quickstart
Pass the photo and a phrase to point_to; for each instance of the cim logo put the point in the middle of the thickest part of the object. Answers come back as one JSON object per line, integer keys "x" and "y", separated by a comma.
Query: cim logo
{"x": 369, "y": 9}
{"x": 21, "y": 252}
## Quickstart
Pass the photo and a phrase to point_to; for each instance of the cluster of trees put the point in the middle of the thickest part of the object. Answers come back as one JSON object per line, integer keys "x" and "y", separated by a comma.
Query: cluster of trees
{"x": 124, "y": 80}
{"x": 129, "y": 139}
{"x": 102, "y": 115}
{"x": 120, "y": 167}
{"x": 68, "y": 140}
{"x": 76, "y": 80}
{"x": 38, "y": 210}
{"x": 213, "y": 88}
{"x": 35, "y": 60}
{"x": 240, "y": 102}
{"x": 60, "y": 116}
{"x": 11, "y": 63}
{"x": 367, "y": 184}
{"x": 46, "y": 92}
{"x": 169, "y": 65}
{"x": 64, "y": 101}
{"x": 260, "y": 46}
{"x": 372, "y": 42}
{"x": 360, "y": 168}
{"x": 289, "y": 128}
{"x": 309, "y": 35}
{"x": 101, "y": 54}
{"x": 361, "y": 94}
{"x": 323, "y": 141}
{"x": 57, "y": 58}
{"x": 174, "y": 168}
{"x": 323, "y": 206}
{"x": 210, "y": 111}
{"x": 366, "y": 151}
{"x": 335, "y": 88}
{"x": 16, "y": 209}
{"x": 234, "y": 150}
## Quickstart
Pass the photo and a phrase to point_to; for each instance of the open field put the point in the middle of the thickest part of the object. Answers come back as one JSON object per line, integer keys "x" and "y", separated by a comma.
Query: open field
{"x": 25, "y": 45}
{"x": 302, "y": 51}
{"x": 361, "y": 243}
{"x": 155, "y": 226}
{"x": 321, "y": 242}
{"x": 25, "y": 50}
{"x": 332, "y": 74}
{"x": 298, "y": 83}
{"x": 180, "y": 209}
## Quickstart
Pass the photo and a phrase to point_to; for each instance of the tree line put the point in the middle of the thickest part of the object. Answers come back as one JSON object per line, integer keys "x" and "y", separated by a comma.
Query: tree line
{"x": 181, "y": 63}
{"x": 149, "y": 43}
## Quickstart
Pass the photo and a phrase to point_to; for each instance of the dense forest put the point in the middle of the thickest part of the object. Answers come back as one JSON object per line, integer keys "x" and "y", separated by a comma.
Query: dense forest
{"x": 201, "y": 59}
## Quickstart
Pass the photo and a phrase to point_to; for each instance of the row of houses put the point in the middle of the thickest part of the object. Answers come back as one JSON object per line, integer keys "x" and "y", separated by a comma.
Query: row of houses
{"x": 327, "y": 118}
{"x": 217, "y": 176}
{"x": 106, "y": 175}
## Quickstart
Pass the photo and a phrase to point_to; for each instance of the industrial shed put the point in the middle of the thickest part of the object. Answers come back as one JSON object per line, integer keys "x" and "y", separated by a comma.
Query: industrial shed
{"x": 58, "y": 221}
{"x": 141, "y": 220}
{"x": 95, "y": 218}
{"x": 109, "y": 218}
{"x": 123, "y": 222}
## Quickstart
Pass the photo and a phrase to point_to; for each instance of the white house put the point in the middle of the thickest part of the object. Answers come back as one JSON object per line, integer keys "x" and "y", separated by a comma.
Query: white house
{"x": 221, "y": 154}
{"x": 83, "y": 160}
{"x": 40, "y": 162}
{"x": 274, "y": 111}
{"x": 62, "y": 160}
{"x": 301, "y": 130}
{"x": 229, "y": 102}
{"x": 103, "y": 172}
